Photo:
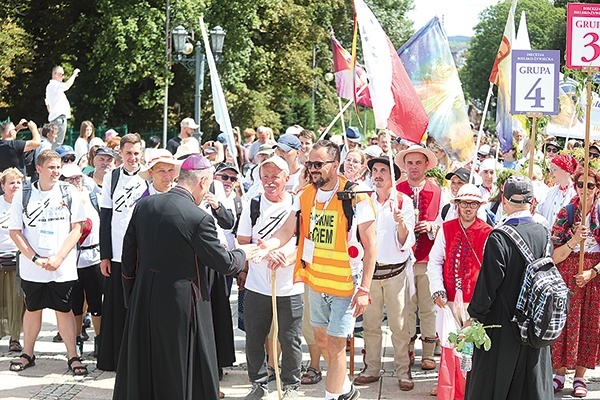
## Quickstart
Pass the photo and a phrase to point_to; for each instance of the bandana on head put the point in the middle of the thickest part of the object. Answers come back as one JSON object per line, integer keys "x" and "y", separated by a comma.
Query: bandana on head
{"x": 565, "y": 162}
{"x": 196, "y": 162}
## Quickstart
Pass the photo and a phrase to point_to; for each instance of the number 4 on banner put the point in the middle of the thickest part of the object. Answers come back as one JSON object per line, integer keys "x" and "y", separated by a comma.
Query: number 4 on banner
{"x": 538, "y": 94}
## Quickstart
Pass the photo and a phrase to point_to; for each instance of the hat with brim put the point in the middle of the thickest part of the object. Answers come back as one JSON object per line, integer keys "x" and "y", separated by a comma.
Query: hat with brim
{"x": 373, "y": 151}
{"x": 553, "y": 144}
{"x": 159, "y": 156}
{"x": 468, "y": 192}
{"x": 353, "y": 135}
{"x": 277, "y": 161}
{"x": 187, "y": 148}
{"x": 431, "y": 158}
{"x": 386, "y": 161}
{"x": 70, "y": 170}
{"x": 265, "y": 149}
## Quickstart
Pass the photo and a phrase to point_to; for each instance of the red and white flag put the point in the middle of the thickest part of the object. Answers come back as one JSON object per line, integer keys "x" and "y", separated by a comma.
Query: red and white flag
{"x": 342, "y": 66}
{"x": 396, "y": 104}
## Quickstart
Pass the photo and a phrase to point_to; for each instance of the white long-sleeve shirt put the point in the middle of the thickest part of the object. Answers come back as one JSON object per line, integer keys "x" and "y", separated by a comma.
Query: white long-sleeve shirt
{"x": 389, "y": 249}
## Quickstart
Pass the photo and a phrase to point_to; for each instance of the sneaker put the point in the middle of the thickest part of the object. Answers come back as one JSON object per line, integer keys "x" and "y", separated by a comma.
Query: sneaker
{"x": 290, "y": 392}
{"x": 353, "y": 394}
{"x": 87, "y": 321}
{"x": 258, "y": 391}
{"x": 79, "y": 343}
{"x": 84, "y": 335}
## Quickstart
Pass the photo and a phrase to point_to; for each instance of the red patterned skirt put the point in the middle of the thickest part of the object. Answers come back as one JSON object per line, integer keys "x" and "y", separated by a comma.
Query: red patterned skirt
{"x": 579, "y": 342}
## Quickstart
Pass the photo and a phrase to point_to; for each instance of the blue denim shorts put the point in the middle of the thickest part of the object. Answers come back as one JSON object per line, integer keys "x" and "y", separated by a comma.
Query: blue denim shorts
{"x": 333, "y": 312}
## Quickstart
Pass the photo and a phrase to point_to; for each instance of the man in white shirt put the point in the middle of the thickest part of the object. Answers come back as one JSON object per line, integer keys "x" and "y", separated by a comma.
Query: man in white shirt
{"x": 274, "y": 207}
{"x": 57, "y": 104}
{"x": 45, "y": 224}
{"x": 395, "y": 227}
{"x": 120, "y": 191}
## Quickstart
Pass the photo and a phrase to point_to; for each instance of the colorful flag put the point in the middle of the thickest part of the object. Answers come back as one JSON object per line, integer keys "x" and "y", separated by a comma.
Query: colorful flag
{"x": 219, "y": 105}
{"x": 396, "y": 104}
{"x": 342, "y": 66}
{"x": 430, "y": 66}
{"x": 501, "y": 76}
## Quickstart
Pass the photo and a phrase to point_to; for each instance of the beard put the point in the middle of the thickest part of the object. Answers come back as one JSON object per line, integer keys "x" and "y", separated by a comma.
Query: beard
{"x": 468, "y": 218}
{"x": 319, "y": 181}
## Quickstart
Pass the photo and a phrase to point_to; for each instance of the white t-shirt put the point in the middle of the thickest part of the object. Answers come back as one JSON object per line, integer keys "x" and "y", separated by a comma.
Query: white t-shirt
{"x": 220, "y": 195}
{"x": 272, "y": 217}
{"x": 89, "y": 257}
{"x": 46, "y": 226}
{"x": 81, "y": 149}
{"x": 129, "y": 189}
{"x": 294, "y": 183}
{"x": 57, "y": 100}
{"x": 6, "y": 243}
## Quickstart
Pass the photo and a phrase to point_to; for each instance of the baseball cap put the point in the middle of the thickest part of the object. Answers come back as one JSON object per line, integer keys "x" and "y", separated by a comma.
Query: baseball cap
{"x": 221, "y": 138}
{"x": 210, "y": 150}
{"x": 484, "y": 149}
{"x": 462, "y": 173}
{"x": 265, "y": 149}
{"x": 64, "y": 150}
{"x": 196, "y": 162}
{"x": 288, "y": 142}
{"x": 226, "y": 165}
{"x": 278, "y": 161}
{"x": 489, "y": 163}
{"x": 373, "y": 151}
{"x": 519, "y": 186}
{"x": 70, "y": 170}
{"x": 105, "y": 151}
{"x": 190, "y": 123}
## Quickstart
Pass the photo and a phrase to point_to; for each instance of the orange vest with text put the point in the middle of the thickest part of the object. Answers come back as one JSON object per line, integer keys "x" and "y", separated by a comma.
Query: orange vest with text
{"x": 330, "y": 271}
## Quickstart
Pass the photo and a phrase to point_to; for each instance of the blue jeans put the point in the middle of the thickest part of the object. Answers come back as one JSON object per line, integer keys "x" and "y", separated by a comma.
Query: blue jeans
{"x": 333, "y": 312}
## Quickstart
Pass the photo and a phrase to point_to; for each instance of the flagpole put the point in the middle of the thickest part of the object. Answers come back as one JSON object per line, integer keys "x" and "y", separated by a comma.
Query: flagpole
{"x": 340, "y": 114}
{"x": 485, "y": 108}
{"x": 534, "y": 117}
{"x": 571, "y": 122}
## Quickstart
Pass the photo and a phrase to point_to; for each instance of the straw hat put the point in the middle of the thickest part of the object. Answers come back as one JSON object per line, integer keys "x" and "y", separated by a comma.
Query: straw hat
{"x": 431, "y": 158}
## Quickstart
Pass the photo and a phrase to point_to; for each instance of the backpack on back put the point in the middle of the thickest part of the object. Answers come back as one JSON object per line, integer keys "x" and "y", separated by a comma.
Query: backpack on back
{"x": 543, "y": 302}
{"x": 64, "y": 190}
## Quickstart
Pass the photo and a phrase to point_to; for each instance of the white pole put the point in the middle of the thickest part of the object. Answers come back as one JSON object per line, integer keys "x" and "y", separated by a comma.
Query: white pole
{"x": 340, "y": 114}
{"x": 485, "y": 108}
{"x": 571, "y": 122}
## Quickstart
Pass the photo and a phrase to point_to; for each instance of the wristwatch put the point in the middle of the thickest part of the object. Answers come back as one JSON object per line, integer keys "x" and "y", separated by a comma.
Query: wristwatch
{"x": 35, "y": 257}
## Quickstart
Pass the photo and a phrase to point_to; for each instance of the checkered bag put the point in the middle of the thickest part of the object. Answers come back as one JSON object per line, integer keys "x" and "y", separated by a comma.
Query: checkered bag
{"x": 543, "y": 302}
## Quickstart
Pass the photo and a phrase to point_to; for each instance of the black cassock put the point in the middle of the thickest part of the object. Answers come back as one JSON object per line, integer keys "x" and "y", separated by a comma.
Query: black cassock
{"x": 168, "y": 349}
{"x": 509, "y": 370}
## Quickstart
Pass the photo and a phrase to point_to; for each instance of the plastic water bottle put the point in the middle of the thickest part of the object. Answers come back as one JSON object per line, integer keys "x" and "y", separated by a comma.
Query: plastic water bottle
{"x": 466, "y": 362}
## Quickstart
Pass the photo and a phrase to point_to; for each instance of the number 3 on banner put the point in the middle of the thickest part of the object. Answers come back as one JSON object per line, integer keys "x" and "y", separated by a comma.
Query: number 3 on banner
{"x": 538, "y": 94}
{"x": 594, "y": 45}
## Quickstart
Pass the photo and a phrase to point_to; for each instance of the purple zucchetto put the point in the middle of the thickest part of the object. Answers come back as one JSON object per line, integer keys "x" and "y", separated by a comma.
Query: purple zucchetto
{"x": 196, "y": 162}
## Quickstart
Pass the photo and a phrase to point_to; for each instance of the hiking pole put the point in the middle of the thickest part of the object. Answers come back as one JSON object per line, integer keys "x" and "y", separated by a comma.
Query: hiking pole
{"x": 275, "y": 331}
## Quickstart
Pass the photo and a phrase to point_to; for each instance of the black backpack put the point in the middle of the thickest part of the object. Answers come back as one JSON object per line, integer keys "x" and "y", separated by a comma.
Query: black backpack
{"x": 64, "y": 189}
{"x": 543, "y": 302}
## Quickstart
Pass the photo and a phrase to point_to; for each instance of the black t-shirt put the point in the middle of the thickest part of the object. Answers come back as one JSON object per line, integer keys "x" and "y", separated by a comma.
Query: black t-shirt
{"x": 11, "y": 154}
{"x": 173, "y": 144}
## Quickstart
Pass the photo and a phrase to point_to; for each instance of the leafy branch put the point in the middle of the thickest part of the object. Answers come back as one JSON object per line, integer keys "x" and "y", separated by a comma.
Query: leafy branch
{"x": 474, "y": 333}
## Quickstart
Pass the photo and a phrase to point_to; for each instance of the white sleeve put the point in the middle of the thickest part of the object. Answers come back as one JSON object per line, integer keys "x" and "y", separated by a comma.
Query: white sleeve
{"x": 105, "y": 199}
{"x": 81, "y": 148}
{"x": 364, "y": 211}
{"x": 77, "y": 209}
{"x": 436, "y": 263}
{"x": 16, "y": 212}
{"x": 409, "y": 220}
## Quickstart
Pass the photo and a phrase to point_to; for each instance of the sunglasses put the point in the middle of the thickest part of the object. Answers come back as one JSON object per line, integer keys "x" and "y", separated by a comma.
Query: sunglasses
{"x": 590, "y": 185}
{"x": 226, "y": 178}
{"x": 317, "y": 164}
{"x": 68, "y": 158}
{"x": 470, "y": 204}
{"x": 551, "y": 150}
{"x": 594, "y": 155}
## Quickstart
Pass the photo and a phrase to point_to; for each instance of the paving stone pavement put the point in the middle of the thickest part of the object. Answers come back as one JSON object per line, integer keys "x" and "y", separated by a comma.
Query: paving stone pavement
{"x": 50, "y": 378}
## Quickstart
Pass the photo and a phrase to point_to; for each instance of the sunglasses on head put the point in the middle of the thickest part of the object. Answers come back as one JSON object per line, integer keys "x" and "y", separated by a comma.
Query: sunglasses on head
{"x": 590, "y": 185}
{"x": 551, "y": 150}
{"x": 68, "y": 158}
{"x": 228, "y": 178}
{"x": 317, "y": 164}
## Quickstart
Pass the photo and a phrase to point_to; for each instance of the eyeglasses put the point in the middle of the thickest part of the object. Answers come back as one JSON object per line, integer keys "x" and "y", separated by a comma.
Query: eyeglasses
{"x": 317, "y": 164}
{"x": 226, "y": 178}
{"x": 594, "y": 155}
{"x": 553, "y": 150}
{"x": 73, "y": 179}
{"x": 68, "y": 158}
{"x": 351, "y": 161}
{"x": 590, "y": 185}
{"x": 469, "y": 204}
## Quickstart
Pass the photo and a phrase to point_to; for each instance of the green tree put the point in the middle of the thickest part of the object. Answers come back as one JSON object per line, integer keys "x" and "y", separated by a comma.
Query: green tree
{"x": 545, "y": 24}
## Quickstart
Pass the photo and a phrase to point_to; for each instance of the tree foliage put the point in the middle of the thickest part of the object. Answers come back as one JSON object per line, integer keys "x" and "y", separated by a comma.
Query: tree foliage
{"x": 546, "y": 26}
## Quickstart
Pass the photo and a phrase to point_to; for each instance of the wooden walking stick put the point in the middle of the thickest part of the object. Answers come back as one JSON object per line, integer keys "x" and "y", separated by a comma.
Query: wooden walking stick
{"x": 275, "y": 331}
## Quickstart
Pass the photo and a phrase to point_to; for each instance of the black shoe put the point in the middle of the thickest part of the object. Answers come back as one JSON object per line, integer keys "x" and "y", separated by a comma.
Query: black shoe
{"x": 96, "y": 344}
{"x": 57, "y": 338}
{"x": 79, "y": 343}
{"x": 87, "y": 321}
{"x": 353, "y": 394}
{"x": 84, "y": 334}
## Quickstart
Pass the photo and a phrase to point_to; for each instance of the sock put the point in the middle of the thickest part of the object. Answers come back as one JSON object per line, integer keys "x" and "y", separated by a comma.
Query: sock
{"x": 347, "y": 387}
{"x": 331, "y": 396}
{"x": 559, "y": 378}
{"x": 577, "y": 379}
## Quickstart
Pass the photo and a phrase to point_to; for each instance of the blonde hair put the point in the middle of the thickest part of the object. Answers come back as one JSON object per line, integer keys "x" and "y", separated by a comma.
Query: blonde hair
{"x": 12, "y": 171}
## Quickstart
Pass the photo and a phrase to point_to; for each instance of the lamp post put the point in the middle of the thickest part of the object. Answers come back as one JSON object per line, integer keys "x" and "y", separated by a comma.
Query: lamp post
{"x": 183, "y": 48}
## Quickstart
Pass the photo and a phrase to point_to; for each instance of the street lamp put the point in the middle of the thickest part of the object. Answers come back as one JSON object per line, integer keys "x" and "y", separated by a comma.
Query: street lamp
{"x": 182, "y": 48}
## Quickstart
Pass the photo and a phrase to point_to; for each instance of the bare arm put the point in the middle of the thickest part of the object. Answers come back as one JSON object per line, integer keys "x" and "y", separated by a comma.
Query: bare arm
{"x": 36, "y": 139}
{"x": 282, "y": 236}
{"x": 22, "y": 243}
{"x": 561, "y": 253}
{"x": 71, "y": 80}
{"x": 54, "y": 262}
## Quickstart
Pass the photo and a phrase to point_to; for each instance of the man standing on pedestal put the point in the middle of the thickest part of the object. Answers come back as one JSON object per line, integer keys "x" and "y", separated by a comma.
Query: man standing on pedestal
{"x": 59, "y": 109}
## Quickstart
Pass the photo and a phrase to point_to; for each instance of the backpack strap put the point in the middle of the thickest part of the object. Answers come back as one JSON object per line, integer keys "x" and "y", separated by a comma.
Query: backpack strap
{"x": 348, "y": 207}
{"x": 254, "y": 209}
{"x": 94, "y": 201}
{"x": 115, "y": 179}
{"x": 26, "y": 197}
{"x": 517, "y": 239}
{"x": 570, "y": 214}
{"x": 445, "y": 210}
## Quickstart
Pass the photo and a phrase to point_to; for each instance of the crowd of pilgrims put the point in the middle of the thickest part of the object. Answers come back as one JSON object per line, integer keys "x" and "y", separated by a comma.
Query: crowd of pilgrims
{"x": 557, "y": 180}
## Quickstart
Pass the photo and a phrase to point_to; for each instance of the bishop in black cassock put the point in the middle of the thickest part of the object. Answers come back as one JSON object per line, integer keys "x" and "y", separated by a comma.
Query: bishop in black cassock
{"x": 168, "y": 349}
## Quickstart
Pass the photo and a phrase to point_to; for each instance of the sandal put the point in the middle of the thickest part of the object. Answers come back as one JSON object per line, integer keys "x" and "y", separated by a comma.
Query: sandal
{"x": 579, "y": 389}
{"x": 79, "y": 370}
{"x": 18, "y": 366}
{"x": 558, "y": 385}
{"x": 311, "y": 377}
{"x": 270, "y": 373}
{"x": 14, "y": 345}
